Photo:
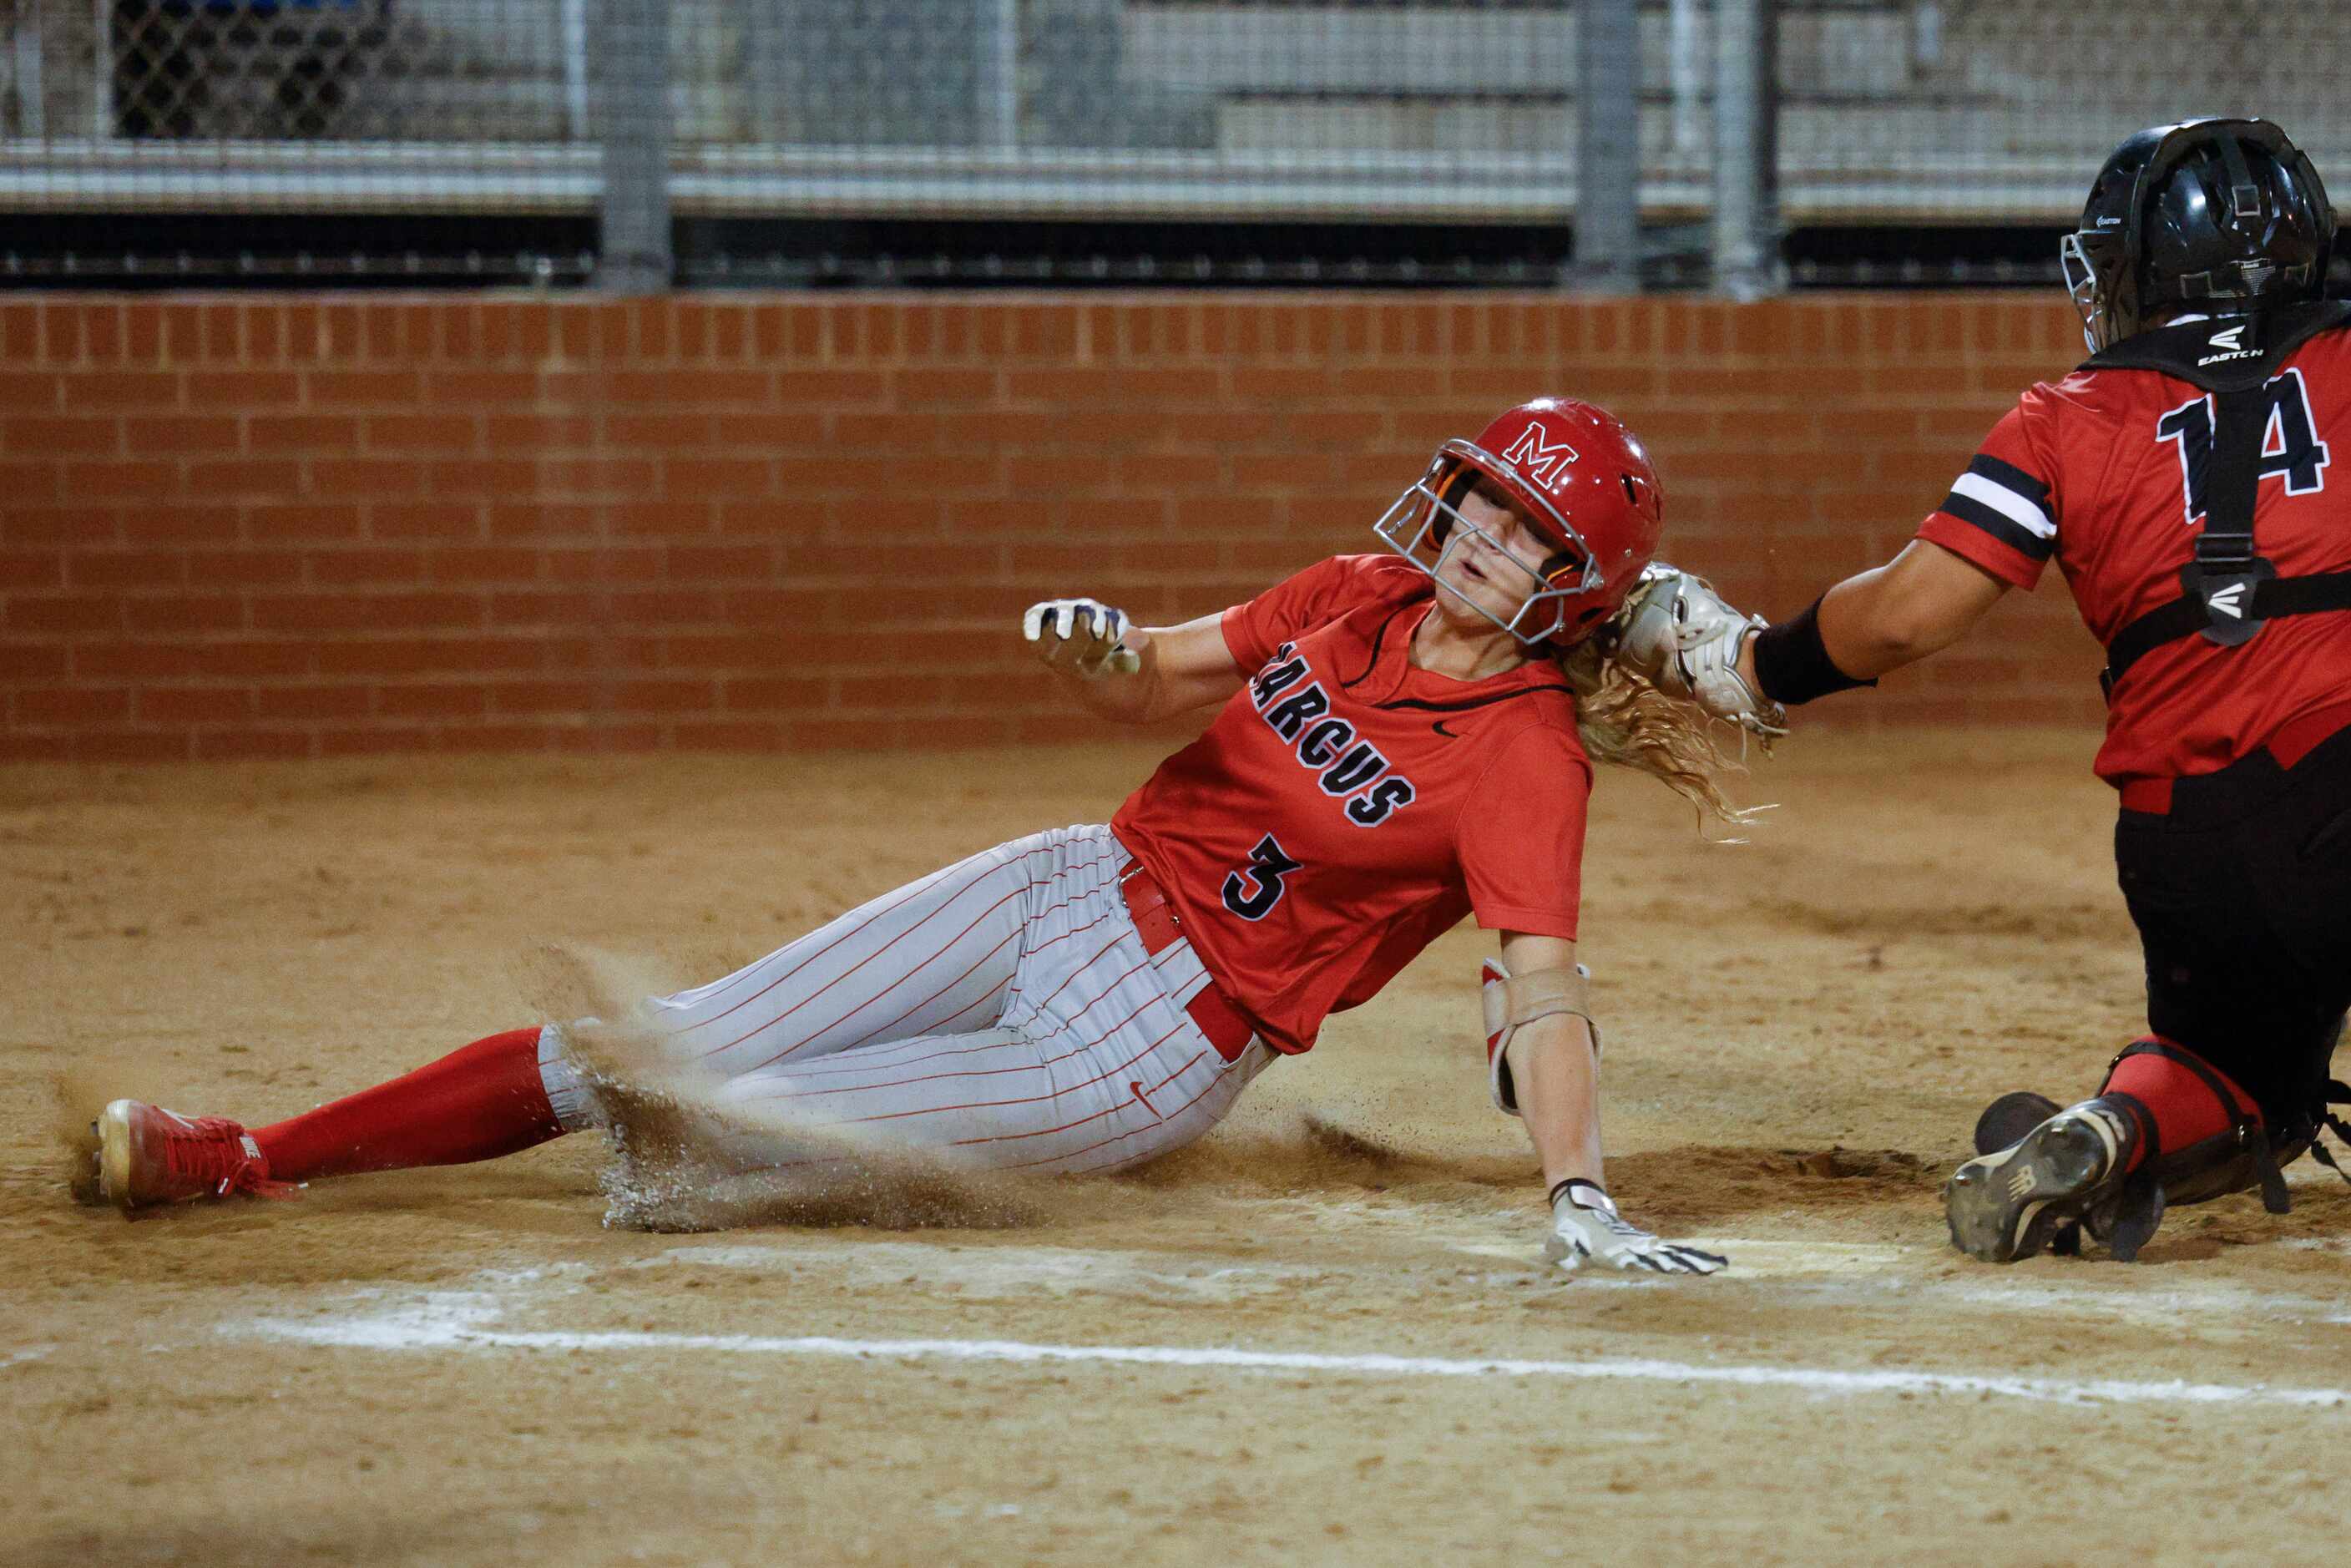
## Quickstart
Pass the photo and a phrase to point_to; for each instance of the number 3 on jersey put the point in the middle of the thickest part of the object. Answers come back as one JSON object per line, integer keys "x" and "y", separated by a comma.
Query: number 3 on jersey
{"x": 2290, "y": 444}
{"x": 1253, "y": 891}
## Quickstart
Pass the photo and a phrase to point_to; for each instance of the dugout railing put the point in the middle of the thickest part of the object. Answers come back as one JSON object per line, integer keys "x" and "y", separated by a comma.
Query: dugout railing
{"x": 1602, "y": 119}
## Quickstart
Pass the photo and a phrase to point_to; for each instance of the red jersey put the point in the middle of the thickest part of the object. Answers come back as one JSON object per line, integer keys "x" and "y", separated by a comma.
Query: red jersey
{"x": 1346, "y": 808}
{"x": 2104, "y": 472}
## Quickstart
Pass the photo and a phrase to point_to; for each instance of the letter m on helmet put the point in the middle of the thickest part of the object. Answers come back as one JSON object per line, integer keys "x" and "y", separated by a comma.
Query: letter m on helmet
{"x": 1538, "y": 462}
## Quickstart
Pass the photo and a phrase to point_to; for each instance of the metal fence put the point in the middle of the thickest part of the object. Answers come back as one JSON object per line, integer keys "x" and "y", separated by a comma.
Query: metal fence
{"x": 638, "y": 141}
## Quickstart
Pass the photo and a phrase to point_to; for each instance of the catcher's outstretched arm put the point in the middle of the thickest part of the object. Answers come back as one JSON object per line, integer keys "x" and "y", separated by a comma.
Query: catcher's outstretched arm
{"x": 1683, "y": 636}
{"x": 1920, "y": 602}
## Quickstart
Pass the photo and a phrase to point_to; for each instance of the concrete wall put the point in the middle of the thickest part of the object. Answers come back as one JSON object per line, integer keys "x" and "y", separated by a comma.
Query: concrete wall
{"x": 257, "y": 526}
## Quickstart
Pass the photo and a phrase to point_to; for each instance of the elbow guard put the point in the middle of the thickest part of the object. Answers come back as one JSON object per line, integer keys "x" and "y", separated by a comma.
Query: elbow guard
{"x": 1512, "y": 1001}
{"x": 1792, "y": 665}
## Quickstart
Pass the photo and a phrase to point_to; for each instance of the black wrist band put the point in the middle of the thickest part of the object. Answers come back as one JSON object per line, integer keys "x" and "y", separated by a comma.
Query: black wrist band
{"x": 1558, "y": 1187}
{"x": 1792, "y": 663}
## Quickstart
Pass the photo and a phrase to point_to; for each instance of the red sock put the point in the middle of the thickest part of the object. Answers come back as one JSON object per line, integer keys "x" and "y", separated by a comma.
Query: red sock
{"x": 476, "y": 1103}
{"x": 2183, "y": 1105}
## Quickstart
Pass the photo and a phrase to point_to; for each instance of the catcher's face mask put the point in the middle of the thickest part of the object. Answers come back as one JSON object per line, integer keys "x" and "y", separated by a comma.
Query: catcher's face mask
{"x": 1427, "y": 526}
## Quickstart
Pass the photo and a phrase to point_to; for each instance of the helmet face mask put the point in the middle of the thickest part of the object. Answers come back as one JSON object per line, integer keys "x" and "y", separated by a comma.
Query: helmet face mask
{"x": 2219, "y": 215}
{"x": 1427, "y": 526}
{"x": 1580, "y": 483}
{"x": 2096, "y": 268}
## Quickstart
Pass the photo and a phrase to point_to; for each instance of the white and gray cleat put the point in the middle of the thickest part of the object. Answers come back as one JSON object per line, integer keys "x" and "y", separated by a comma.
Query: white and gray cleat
{"x": 2010, "y": 1203}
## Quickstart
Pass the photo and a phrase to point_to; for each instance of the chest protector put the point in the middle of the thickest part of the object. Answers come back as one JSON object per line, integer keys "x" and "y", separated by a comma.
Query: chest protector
{"x": 2228, "y": 593}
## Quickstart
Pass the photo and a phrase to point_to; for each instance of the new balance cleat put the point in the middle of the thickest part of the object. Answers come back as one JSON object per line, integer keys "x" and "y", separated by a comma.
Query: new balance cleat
{"x": 2012, "y": 1202}
{"x": 148, "y": 1156}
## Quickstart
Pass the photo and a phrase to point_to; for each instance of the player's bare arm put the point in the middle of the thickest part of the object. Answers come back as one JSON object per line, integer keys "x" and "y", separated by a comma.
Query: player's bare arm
{"x": 1919, "y": 603}
{"x": 1129, "y": 672}
{"x": 1555, "y": 1067}
{"x": 1545, "y": 1068}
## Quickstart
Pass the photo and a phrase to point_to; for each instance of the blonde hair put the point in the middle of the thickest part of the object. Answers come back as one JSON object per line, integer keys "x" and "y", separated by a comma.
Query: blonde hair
{"x": 1623, "y": 719}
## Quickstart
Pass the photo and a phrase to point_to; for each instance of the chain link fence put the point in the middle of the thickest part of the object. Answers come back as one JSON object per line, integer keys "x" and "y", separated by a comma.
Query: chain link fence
{"x": 1322, "y": 140}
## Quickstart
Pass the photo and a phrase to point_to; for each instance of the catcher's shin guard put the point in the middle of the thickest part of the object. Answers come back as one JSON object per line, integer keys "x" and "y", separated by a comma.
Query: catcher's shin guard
{"x": 2013, "y": 1202}
{"x": 2211, "y": 1139}
{"x": 2200, "y": 1136}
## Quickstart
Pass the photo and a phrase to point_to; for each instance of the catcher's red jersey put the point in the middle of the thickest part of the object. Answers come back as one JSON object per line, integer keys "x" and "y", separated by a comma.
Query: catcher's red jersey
{"x": 2104, "y": 472}
{"x": 1345, "y": 807}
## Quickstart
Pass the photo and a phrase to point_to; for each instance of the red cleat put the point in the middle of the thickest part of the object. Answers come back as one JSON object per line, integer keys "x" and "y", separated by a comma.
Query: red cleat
{"x": 148, "y": 1156}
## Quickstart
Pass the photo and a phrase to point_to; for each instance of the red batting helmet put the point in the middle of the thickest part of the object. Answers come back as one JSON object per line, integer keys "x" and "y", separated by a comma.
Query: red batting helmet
{"x": 1580, "y": 477}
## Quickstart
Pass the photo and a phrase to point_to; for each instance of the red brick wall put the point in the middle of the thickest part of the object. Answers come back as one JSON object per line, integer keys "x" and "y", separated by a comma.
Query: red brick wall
{"x": 290, "y": 525}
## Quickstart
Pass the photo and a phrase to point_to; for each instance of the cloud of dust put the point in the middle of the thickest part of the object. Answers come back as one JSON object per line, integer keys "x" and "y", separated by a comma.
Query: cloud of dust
{"x": 688, "y": 1156}
{"x": 1306, "y": 1151}
{"x": 79, "y": 1091}
{"x": 567, "y": 982}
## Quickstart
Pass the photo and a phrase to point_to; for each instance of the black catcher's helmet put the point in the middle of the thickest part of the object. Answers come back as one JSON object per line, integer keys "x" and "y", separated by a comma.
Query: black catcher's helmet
{"x": 2212, "y": 214}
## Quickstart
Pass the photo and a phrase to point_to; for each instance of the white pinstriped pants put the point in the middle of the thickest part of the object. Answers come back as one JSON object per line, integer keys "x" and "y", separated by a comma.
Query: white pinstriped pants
{"x": 1003, "y": 1009}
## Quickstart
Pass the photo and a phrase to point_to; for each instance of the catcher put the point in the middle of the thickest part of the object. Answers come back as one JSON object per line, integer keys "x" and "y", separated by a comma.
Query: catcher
{"x": 2180, "y": 480}
{"x": 1398, "y": 741}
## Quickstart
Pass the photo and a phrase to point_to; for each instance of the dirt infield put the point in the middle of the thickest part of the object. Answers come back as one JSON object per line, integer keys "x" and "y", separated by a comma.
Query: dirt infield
{"x": 1275, "y": 1347}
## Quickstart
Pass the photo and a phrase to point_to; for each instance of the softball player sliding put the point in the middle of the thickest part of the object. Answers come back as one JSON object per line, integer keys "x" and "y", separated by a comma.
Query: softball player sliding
{"x": 1400, "y": 740}
{"x": 2180, "y": 479}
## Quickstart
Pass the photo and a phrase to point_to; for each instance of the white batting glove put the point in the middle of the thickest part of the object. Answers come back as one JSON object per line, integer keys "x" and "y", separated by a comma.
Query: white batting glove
{"x": 1585, "y": 1224}
{"x": 1685, "y": 639}
{"x": 1083, "y": 636}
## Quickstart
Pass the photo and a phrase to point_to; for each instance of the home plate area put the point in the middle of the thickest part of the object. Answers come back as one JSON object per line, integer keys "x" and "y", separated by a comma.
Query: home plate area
{"x": 581, "y": 1308}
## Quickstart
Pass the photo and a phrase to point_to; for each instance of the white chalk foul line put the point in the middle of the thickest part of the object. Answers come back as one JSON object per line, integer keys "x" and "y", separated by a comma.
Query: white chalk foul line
{"x": 451, "y": 1325}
